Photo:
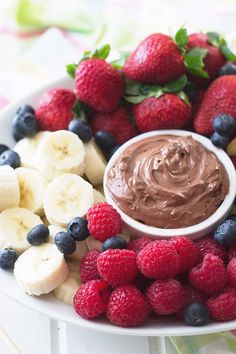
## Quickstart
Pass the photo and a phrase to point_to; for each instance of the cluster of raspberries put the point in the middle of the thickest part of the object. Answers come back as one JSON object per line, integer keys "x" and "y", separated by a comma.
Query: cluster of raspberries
{"x": 154, "y": 277}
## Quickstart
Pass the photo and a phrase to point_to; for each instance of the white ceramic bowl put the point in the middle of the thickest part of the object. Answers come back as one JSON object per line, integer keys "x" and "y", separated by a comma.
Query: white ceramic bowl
{"x": 139, "y": 229}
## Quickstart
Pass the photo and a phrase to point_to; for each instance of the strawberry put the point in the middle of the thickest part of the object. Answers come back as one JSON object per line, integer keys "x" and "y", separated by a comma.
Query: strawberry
{"x": 219, "y": 98}
{"x": 168, "y": 111}
{"x": 98, "y": 84}
{"x": 157, "y": 59}
{"x": 116, "y": 122}
{"x": 213, "y": 59}
{"x": 54, "y": 111}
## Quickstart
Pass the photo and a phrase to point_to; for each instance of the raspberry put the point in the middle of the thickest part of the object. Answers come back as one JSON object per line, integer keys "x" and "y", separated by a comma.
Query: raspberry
{"x": 222, "y": 307}
{"x": 127, "y": 307}
{"x": 88, "y": 266}
{"x": 91, "y": 299}
{"x": 138, "y": 244}
{"x": 209, "y": 245}
{"x": 231, "y": 252}
{"x": 117, "y": 266}
{"x": 158, "y": 260}
{"x": 166, "y": 296}
{"x": 209, "y": 276}
{"x": 103, "y": 221}
{"x": 191, "y": 295}
{"x": 187, "y": 251}
{"x": 231, "y": 272}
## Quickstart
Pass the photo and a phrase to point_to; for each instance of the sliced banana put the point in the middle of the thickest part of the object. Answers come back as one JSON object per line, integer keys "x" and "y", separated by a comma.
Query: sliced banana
{"x": 41, "y": 269}
{"x": 60, "y": 152}
{"x": 98, "y": 197}
{"x": 53, "y": 230}
{"x": 32, "y": 189}
{"x": 81, "y": 250}
{"x": 9, "y": 188}
{"x": 66, "y": 291}
{"x": 27, "y": 149}
{"x": 95, "y": 163}
{"x": 67, "y": 196}
{"x": 15, "y": 223}
{"x": 100, "y": 189}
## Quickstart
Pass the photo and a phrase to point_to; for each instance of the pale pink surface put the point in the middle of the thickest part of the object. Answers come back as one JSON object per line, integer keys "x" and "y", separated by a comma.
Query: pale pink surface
{"x": 3, "y": 102}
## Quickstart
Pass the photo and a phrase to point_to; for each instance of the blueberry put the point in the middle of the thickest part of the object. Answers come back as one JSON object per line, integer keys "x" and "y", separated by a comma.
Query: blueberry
{"x": 112, "y": 151}
{"x": 25, "y": 109}
{"x": 80, "y": 128}
{"x": 78, "y": 227}
{"x": 38, "y": 235}
{"x": 65, "y": 242}
{"x": 220, "y": 141}
{"x": 228, "y": 69}
{"x": 7, "y": 258}
{"x": 225, "y": 233}
{"x": 196, "y": 314}
{"x": 231, "y": 217}
{"x": 3, "y": 148}
{"x": 24, "y": 125}
{"x": 114, "y": 242}
{"x": 224, "y": 124}
{"x": 17, "y": 135}
{"x": 10, "y": 157}
{"x": 105, "y": 140}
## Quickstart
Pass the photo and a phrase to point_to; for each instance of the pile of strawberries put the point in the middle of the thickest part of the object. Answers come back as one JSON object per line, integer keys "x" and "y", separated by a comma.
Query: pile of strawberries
{"x": 165, "y": 83}
{"x": 150, "y": 278}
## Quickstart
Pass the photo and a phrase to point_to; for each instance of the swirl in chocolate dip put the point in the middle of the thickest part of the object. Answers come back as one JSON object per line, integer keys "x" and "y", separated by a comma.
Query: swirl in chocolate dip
{"x": 168, "y": 181}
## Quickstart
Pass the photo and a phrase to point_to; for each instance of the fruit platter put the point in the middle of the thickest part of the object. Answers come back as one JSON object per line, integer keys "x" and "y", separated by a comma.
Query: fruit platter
{"x": 118, "y": 187}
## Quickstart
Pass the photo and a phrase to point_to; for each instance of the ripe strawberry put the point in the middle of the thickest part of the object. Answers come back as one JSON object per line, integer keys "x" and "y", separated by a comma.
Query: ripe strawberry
{"x": 156, "y": 60}
{"x": 98, "y": 84}
{"x": 219, "y": 98}
{"x": 116, "y": 122}
{"x": 213, "y": 60}
{"x": 54, "y": 111}
{"x": 168, "y": 111}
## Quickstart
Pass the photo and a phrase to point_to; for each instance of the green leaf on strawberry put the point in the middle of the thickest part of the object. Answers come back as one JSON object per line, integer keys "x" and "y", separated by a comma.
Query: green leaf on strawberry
{"x": 70, "y": 69}
{"x": 218, "y": 41}
{"x": 194, "y": 62}
{"x": 176, "y": 85}
{"x": 119, "y": 63}
{"x": 181, "y": 38}
{"x": 101, "y": 53}
{"x": 184, "y": 97}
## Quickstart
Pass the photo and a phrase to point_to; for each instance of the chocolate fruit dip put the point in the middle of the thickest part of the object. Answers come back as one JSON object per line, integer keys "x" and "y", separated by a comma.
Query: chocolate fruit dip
{"x": 168, "y": 181}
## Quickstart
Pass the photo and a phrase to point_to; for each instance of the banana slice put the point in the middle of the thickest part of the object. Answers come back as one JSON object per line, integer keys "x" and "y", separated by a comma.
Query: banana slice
{"x": 67, "y": 196}
{"x": 15, "y": 223}
{"x": 9, "y": 188}
{"x": 98, "y": 197}
{"x": 53, "y": 230}
{"x": 60, "y": 152}
{"x": 32, "y": 189}
{"x": 100, "y": 189}
{"x": 95, "y": 163}
{"x": 27, "y": 149}
{"x": 40, "y": 269}
{"x": 66, "y": 291}
{"x": 81, "y": 249}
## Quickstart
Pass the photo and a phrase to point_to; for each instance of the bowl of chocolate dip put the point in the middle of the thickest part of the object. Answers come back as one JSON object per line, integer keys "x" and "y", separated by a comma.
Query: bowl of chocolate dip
{"x": 169, "y": 183}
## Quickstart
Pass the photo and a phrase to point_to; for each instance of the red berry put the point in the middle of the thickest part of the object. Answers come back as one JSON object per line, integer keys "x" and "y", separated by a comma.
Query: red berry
{"x": 231, "y": 252}
{"x": 116, "y": 122}
{"x": 209, "y": 245}
{"x": 138, "y": 244}
{"x": 231, "y": 272}
{"x": 103, "y": 221}
{"x": 127, "y": 307}
{"x": 54, "y": 111}
{"x": 156, "y": 60}
{"x": 88, "y": 266}
{"x": 158, "y": 260}
{"x": 117, "y": 266}
{"x": 222, "y": 307}
{"x": 187, "y": 251}
{"x": 168, "y": 111}
{"x": 91, "y": 299}
{"x": 209, "y": 276}
{"x": 219, "y": 97}
{"x": 191, "y": 295}
{"x": 98, "y": 84}
{"x": 166, "y": 296}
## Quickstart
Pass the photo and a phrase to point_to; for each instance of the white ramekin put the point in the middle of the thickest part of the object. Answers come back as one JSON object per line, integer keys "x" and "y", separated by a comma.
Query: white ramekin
{"x": 138, "y": 229}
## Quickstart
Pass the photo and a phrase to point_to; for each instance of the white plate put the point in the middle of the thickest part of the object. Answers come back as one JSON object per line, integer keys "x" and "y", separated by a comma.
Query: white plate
{"x": 53, "y": 308}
